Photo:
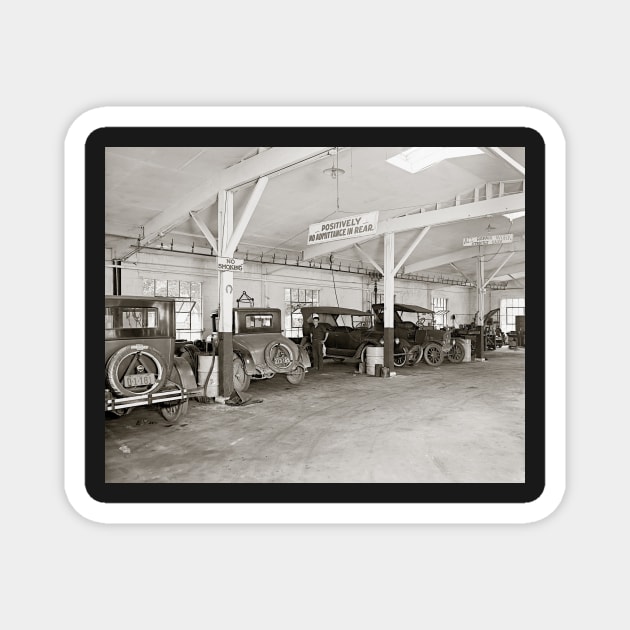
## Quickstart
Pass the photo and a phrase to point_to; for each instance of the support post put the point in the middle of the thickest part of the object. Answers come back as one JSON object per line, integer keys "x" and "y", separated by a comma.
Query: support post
{"x": 226, "y": 296}
{"x": 388, "y": 314}
{"x": 480, "y": 306}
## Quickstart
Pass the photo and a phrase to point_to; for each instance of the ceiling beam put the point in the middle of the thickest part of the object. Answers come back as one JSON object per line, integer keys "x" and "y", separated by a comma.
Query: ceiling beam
{"x": 365, "y": 255}
{"x": 512, "y": 269}
{"x": 516, "y": 281}
{"x": 205, "y": 231}
{"x": 267, "y": 163}
{"x": 410, "y": 249}
{"x": 246, "y": 215}
{"x": 463, "y": 254}
{"x": 498, "y": 269}
{"x": 459, "y": 271}
{"x": 498, "y": 152}
{"x": 444, "y": 216}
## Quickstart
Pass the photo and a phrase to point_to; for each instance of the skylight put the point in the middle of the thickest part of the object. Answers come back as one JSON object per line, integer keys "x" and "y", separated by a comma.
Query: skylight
{"x": 417, "y": 159}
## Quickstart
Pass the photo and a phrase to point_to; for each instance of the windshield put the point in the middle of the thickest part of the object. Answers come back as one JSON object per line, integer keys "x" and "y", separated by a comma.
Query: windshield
{"x": 419, "y": 319}
{"x": 361, "y": 321}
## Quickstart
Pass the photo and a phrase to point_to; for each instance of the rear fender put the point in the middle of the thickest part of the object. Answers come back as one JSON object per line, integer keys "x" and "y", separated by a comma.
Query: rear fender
{"x": 185, "y": 373}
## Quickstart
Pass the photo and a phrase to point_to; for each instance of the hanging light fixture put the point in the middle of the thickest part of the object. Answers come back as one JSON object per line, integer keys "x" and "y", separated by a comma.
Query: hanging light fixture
{"x": 334, "y": 170}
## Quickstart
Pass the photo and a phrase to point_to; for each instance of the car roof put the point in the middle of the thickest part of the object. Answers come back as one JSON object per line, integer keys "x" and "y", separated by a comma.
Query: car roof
{"x": 408, "y": 308}
{"x": 132, "y": 299}
{"x": 255, "y": 309}
{"x": 332, "y": 310}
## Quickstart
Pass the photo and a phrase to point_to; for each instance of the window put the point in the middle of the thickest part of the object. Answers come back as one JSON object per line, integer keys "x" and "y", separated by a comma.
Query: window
{"x": 509, "y": 309}
{"x": 439, "y": 307}
{"x": 294, "y": 300}
{"x": 125, "y": 317}
{"x": 188, "y": 311}
{"x": 258, "y": 321}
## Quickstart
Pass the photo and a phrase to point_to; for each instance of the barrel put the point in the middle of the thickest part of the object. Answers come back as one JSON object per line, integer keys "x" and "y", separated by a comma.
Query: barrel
{"x": 203, "y": 367}
{"x": 373, "y": 356}
{"x": 467, "y": 350}
{"x": 513, "y": 340}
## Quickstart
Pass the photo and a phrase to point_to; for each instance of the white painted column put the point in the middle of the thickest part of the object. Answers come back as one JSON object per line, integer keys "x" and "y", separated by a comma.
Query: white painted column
{"x": 480, "y": 304}
{"x": 225, "y": 284}
{"x": 388, "y": 315}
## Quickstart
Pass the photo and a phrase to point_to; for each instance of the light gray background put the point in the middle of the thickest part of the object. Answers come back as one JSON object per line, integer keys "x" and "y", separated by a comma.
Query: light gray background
{"x": 64, "y": 58}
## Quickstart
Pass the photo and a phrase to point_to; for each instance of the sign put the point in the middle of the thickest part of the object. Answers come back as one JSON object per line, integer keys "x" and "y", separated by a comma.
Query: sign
{"x": 494, "y": 239}
{"x": 347, "y": 227}
{"x": 229, "y": 264}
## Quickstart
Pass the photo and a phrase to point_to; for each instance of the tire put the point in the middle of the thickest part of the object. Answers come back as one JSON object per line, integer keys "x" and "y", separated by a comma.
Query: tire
{"x": 280, "y": 351}
{"x": 401, "y": 357}
{"x": 242, "y": 379}
{"x": 296, "y": 378}
{"x": 457, "y": 353}
{"x": 414, "y": 355}
{"x": 173, "y": 412}
{"x": 433, "y": 355}
{"x": 119, "y": 413}
{"x": 125, "y": 359}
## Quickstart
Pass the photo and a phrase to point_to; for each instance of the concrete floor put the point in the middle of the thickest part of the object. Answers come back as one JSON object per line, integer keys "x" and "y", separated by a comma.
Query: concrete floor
{"x": 455, "y": 423}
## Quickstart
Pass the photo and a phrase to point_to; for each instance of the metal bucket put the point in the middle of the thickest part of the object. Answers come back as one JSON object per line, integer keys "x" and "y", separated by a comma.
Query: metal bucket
{"x": 467, "y": 350}
{"x": 204, "y": 364}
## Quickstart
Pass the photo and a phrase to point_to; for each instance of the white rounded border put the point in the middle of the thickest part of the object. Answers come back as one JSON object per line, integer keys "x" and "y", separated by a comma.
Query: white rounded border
{"x": 329, "y": 513}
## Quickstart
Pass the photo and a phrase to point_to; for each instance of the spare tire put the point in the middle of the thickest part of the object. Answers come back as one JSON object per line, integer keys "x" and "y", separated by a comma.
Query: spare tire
{"x": 127, "y": 361}
{"x": 280, "y": 357}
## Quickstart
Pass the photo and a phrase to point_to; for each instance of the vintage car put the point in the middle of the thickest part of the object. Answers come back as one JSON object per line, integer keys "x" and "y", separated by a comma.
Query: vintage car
{"x": 141, "y": 368}
{"x": 350, "y": 332}
{"x": 415, "y": 327}
{"x": 261, "y": 350}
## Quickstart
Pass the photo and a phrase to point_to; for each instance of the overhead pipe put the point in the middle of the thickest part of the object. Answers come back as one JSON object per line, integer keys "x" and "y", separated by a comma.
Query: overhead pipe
{"x": 310, "y": 265}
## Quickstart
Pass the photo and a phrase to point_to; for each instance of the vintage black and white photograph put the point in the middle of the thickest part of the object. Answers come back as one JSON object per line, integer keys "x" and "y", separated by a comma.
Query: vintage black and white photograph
{"x": 314, "y": 315}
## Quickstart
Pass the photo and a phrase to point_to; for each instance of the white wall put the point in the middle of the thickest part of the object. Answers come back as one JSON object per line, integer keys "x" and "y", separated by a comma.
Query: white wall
{"x": 266, "y": 283}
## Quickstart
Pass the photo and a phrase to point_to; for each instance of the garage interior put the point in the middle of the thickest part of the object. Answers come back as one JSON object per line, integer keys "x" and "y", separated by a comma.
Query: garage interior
{"x": 448, "y": 235}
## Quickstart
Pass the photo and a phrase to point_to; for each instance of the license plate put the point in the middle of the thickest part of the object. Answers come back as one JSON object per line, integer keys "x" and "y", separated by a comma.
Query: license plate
{"x": 137, "y": 380}
{"x": 282, "y": 361}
